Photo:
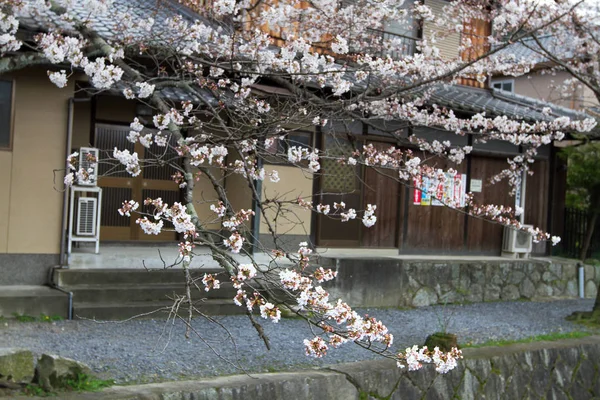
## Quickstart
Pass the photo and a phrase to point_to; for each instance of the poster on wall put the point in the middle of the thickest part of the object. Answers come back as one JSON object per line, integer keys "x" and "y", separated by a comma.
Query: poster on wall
{"x": 438, "y": 187}
{"x": 426, "y": 185}
{"x": 460, "y": 196}
{"x": 417, "y": 192}
{"x": 450, "y": 192}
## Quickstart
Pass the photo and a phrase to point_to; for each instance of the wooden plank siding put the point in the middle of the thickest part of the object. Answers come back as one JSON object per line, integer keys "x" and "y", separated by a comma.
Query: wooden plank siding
{"x": 536, "y": 203}
{"x": 434, "y": 228}
{"x": 483, "y": 236}
{"x": 476, "y": 31}
{"x": 383, "y": 190}
{"x": 419, "y": 229}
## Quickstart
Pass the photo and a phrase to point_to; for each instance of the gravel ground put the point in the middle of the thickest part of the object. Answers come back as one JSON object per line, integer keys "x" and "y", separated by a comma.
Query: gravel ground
{"x": 151, "y": 350}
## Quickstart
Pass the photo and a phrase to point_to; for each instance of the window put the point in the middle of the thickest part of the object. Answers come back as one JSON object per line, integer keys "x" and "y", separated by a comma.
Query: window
{"x": 6, "y": 92}
{"x": 505, "y": 85}
{"x": 280, "y": 146}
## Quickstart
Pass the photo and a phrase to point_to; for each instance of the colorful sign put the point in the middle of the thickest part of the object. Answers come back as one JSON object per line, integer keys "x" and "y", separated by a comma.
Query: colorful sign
{"x": 436, "y": 192}
{"x": 425, "y": 185}
{"x": 417, "y": 192}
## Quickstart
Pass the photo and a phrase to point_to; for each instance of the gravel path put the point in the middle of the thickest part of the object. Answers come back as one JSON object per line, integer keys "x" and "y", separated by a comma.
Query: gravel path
{"x": 150, "y": 350}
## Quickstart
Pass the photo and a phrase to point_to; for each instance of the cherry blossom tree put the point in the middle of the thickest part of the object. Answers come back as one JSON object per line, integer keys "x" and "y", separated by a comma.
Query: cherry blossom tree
{"x": 315, "y": 53}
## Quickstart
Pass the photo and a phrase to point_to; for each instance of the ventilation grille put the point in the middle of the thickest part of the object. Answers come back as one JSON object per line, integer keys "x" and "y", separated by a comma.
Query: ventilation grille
{"x": 86, "y": 216}
{"x": 517, "y": 241}
{"x": 523, "y": 239}
{"x": 85, "y": 153}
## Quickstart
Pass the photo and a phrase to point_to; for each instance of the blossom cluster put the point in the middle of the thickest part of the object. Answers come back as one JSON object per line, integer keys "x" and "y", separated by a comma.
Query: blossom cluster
{"x": 129, "y": 160}
{"x": 8, "y": 29}
{"x": 339, "y": 209}
{"x": 154, "y": 216}
{"x": 83, "y": 175}
{"x": 296, "y": 154}
{"x": 414, "y": 358}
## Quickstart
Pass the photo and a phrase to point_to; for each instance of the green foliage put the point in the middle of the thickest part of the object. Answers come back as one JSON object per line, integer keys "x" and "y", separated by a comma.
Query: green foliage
{"x": 31, "y": 318}
{"x": 550, "y": 337}
{"x": 50, "y": 318}
{"x": 577, "y": 199}
{"x": 37, "y": 391}
{"x": 23, "y": 317}
{"x": 86, "y": 383}
{"x": 583, "y": 180}
{"x": 80, "y": 383}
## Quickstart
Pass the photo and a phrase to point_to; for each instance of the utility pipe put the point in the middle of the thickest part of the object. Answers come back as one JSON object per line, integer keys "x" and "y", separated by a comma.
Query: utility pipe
{"x": 581, "y": 271}
{"x": 63, "y": 260}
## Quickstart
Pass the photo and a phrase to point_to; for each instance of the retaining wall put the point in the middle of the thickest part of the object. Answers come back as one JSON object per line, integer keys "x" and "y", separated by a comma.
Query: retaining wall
{"x": 545, "y": 370}
{"x": 391, "y": 282}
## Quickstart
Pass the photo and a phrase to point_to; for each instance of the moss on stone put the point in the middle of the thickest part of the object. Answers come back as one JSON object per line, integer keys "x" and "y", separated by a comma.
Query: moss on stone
{"x": 16, "y": 365}
{"x": 445, "y": 341}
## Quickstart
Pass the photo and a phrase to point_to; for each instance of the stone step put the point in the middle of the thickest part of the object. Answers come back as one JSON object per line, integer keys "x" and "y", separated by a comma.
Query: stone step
{"x": 133, "y": 293}
{"x": 33, "y": 301}
{"x": 71, "y": 277}
{"x": 153, "y": 310}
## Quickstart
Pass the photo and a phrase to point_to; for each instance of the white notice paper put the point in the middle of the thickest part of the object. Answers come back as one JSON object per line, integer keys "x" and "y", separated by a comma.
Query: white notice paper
{"x": 476, "y": 185}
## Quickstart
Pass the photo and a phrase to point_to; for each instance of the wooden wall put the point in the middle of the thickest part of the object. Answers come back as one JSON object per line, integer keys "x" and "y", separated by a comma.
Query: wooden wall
{"x": 483, "y": 236}
{"x": 420, "y": 229}
{"x": 433, "y": 227}
{"x": 446, "y": 231}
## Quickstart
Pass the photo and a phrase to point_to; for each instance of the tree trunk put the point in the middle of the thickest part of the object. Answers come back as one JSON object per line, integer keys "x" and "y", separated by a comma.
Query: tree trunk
{"x": 588, "y": 236}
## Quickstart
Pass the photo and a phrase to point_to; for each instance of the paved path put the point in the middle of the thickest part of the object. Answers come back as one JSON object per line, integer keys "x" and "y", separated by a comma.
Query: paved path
{"x": 131, "y": 256}
{"x": 147, "y": 350}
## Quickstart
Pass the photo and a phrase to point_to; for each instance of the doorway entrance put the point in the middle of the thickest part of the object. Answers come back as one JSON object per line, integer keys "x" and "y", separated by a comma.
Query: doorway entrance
{"x": 118, "y": 186}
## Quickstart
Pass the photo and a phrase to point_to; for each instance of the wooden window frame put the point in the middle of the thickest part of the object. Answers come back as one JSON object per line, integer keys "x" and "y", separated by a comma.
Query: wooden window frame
{"x": 11, "y": 128}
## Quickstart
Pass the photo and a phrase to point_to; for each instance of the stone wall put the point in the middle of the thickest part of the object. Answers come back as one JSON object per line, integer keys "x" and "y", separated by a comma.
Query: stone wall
{"x": 392, "y": 282}
{"x": 545, "y": 370}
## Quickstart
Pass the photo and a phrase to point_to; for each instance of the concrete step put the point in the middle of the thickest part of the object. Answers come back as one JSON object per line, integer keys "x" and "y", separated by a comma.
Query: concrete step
{"x": 154, "y": 309}
{"x": 127, "y": 293}
{"x": 33, "y": 301}
{"x": 71, "y": 277}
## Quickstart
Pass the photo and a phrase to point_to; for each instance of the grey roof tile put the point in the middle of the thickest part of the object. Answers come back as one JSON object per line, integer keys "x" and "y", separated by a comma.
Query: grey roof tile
{"x": 491, "y": 101}
{"x": 495, "y": 102}
{"x": 108, "y": 25}
{"x": 529, "y": 50}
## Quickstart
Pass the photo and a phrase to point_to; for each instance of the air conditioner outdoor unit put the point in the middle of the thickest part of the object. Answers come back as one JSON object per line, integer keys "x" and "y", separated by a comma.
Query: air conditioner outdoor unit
{"x": 85, "y": 153}
{"x": 517, "y": 241}
{"x": 86, "y": 216}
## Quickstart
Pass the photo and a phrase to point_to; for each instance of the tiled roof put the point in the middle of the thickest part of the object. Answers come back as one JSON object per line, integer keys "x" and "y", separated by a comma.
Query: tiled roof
{"x": 496, "y": 102}
{"x": 492, "y": 102}
{"x": 529, "y": 50}
{"x": 107, "y": 24}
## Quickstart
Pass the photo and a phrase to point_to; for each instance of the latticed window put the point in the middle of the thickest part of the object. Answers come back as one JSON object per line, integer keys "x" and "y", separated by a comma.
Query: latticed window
{"x": 338, "y": 177}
